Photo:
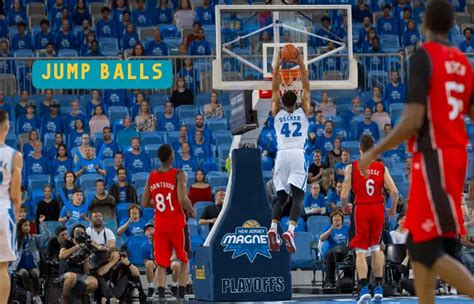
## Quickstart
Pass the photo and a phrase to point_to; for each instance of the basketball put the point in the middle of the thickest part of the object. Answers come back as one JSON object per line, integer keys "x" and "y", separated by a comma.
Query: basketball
{"x": 289, "y": 52}
{"x": 251, "y": 224}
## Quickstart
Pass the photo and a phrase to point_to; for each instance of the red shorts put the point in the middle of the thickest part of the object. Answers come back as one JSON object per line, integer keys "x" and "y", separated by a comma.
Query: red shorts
{"x": 434, "y": 203}
{"x": 367, "y": 224}
{"x": 165, "y": 242}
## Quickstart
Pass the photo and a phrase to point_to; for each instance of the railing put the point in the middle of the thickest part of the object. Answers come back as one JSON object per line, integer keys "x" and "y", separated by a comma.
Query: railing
{"x": 373, "y": 69}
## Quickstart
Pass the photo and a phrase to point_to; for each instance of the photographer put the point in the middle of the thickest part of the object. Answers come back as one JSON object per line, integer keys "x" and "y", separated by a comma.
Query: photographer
{"x": 115, "y": 274}
{"x": 54, "y": 244}
{"x": 102, "y": 239}
{"x": 74, "y": 266}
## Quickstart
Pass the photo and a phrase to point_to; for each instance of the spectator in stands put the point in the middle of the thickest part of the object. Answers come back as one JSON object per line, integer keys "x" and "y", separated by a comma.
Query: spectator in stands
{"x": 138, "y": 50}
{"x": 49, "y": 51}
{"x": 200, "y": 46}
{"x": 71, "y": 117}
{"x": 315, "y": 171}
{"x": 36, "y": 163}
{"x": 156, "y": 47}
{"x": 27, "y": 264}
{"x": 82, "y": 35}
{"x": 65, "y": 193}
{"x": 3, "y": 26}
{"x": 326, "y": 32}
{"x": 94, "y": 50}
{"x": 361, "y": 11}
{"x": 264, "y": 37}
{"x": 387, "y": 25}
{"x": 181, "y": 95}
{"x": 133, "y": 226}
{"x": 367, "y": 126}
{"x": 130, "y": 37}
{"x": 54, "y": 243}
{"x": 16, "y": 13}
{"x": 334, "y": 198}
{"x": 205, "y": 13}
{"x": 327, "y": 105}
{"x": 148, "y": 258}
{"x": 124, "y": 135}
{"x": 211, "y": 212}
{"x": 136, "y": 105}
{"x": 163, "y": 13}
{"x": 81, "y": 13}
{"x": 403, "y": 21}
{"x": 400, "y": 235}
{"x": 340, "y": 167}
{"x": 48, "y": 208}
{"x": 380, "y": 117}
{"x": 118, "y": 10}
{"x": 107, "y": 147}
{"x": 76, "y": 212}
{"x": 122, "y": 25}
{"x": 169, "y": 121}
{"x": 201, "y": 149}
{"x": 33, "y": 140}
{"x": 354, "y": 113}
{"x": 182, "y": 138}
{"x": 418, "y": 10}
{"x": 5, "y": 106}
{"x": 111, "y": 172}
{"x": 115, "y": 97}
{"x": 200, "y": 125}
{"x": 316, "y": 129}
{"x": 375, "y": 98}
{"x": 184, "y": 16}
{"x": 325, "y": 142}
{"x": 25, "y": 77}
{"x": 78, "y": 136}
{"x": 367, "y": 43}
{"x": 65, "y": 37}
{"x": 145, "y": 121}
{"x": 376, "y": 63}
{"x": 74, "y": 275}
{"x": 122, "y": 191}
{"x": 43, "y": 37}
{"x": 411, "y": 36}
{"x": 214, "y": 108}
{"x": 399, "y": 8}
{"x": 141, "y": 16}
{"x": 89, "y": 165}
{"x": 64, "y": 16}
{"x": 364, "y": 31}
{"x": 334, "y": 156}
{"x": 407, "y": 169}
{"x": 193, "y": 35}
{"x": 398, "y": 152}
{"x": 137, "y": 160}
{"x": 102, "y": 202}
{"x": 335, "y": 235}
{"x": 395, "y": 92}
{"x": 314, "y": 201}
{"x": 79, "y": 152}
{"x": 20, "y": 107}
{"x": 45, "y": 105}
{"x": 98, "y": 122}
{"x": 186, "y": 161}
{"x": 62, "y": 163}
{"x": 312, "y": 113}
{"x": 23, "y": 213}
{"x": 190, "y": 74}
{"x": 28, "y": 122}
{"x": 200, "y": 191}
{"x": 86, "y": 44}
{"x": 106, "y": 27}
{"x": 468, "y": 44}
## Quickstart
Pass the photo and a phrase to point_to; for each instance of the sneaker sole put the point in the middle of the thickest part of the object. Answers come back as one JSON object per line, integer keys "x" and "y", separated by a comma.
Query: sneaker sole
{"x": 365, "y": 299}
{"x": 378, "y": 298}
{"x": 273, "y": 241}
{"x": 289, "y": 242}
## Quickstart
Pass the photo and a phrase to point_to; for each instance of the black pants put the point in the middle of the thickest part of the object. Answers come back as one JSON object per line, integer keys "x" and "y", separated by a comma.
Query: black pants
{"x": 30, "y": 280}
{"x": 118, "y": 291}
{"x": 330, "y": 259}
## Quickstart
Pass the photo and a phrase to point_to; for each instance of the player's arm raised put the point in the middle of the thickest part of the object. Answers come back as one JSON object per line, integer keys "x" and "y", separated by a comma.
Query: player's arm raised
{"x": 15, "y": 187}
{"x": 276, "y": 86}
{"x": 346, "y": 189}
{"x": 182, "y": 196}
{"x": 393, "y": 191}
{"x": 146, "y": 196}
{"x": 305, "y": 98}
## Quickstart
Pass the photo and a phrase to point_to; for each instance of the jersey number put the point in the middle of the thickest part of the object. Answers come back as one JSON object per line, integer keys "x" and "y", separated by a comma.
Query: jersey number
{"x": 457, "y": 104}
{"x": 160, "y": 202}
{"x": 285, "y": 129}
{"x": 369, "y": 186}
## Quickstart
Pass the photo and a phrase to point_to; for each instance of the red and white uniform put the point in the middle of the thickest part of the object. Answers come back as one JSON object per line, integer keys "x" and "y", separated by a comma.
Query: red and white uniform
{"x": 369, "y": 210}
{"x": 169, "y": 217}
{"x": 439, "y": 148}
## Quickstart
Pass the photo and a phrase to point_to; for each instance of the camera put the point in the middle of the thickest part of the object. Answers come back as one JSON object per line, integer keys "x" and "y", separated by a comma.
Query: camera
{"x": 123, "y": 253}
{"x": 85, "y": 251}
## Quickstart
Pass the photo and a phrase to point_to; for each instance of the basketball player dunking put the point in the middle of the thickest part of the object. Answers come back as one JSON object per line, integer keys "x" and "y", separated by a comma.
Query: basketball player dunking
{"x": 368, "y": 217}
{"x": 166, "y": 189}
{"x": 11, "y": 164}
{"x": 291, "y": 126}
{"x": 440, "y": 95}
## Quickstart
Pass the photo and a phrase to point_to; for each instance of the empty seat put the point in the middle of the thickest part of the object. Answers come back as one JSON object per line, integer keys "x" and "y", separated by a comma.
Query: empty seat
{"x": 352, "y": 146}
{"x": 217, "y": 124}
{"x": 202, "y": 98}
{"x": 186, "y": 111}
{"x": 148, "y": 214}
{"x": 152, "y": 149}
{"x": 152, "y": 138}
{"x": 117, "y": 113}
{"x": 23, "y": 53}
{"x": 67, "y": 53}
{"x": 8, "y": 84}
{"x": 316, "y": 224}
{"x": 223, "y": 137}
{"x": 158, "y": 100}
{"x": 38, "y": 181}
{"x": 88, "y": 180}
{"x": 134, "y": 244}
{"x": 108, "y": 44}
{"x": 122, "y": 211}
{"x": 303, "y": 257}
{"x": 139, "y": 179}
{"x": 35, "y": 9}
{"x": 12, "y": 140}
{"x": 301, "y": 225}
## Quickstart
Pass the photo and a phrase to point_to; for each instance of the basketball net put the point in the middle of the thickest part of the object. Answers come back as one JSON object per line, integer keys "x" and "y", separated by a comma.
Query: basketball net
{"x": 290, "y": 80}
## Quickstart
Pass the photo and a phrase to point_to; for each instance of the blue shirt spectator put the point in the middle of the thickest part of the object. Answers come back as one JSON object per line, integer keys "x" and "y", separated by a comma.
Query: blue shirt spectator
{"x": 89, "y": 165}
{"x": 3, "y": 28}
{"x": 115, "y": 97}
{"x": 133, "y": 225}
{"x": 22, "y": 40}
{"x": 188, "y": 165}
{"x": 130, "y": 37}
{"x": 108, "y": 147}
{"x": 60, "y": 165}
{"x": 411, "y": 36}
{"x": 361, "y": 11}
{"x": 468, "y": 44}
{"x": 169, "y": 121}
{"x": 205, "y": 13}
{"x": 314, "y": 199}
{"x": 459, "y": 5}
{"x": 190, "y": 75}
{"x": 338, "y": 236}
{"x": 163, "y": 14}
{"x": 16, "y": 14}
{"x": 395, "y": 92}
{"x": 65, "y": 38}
{"x": 93, "y": 50}
{"x": 118, "y": 12}
{"x": 137, "y": 160}
{"x": 81, "y": 13}
{"x": 325, "y": 142}
{"x": 106, "y": 27}
{"x": 201, "y": 150}
{"x": 71, "y": 118}
{"x": 25, "y": 77}
{"x": 379, "y": 5}
{"x": 28, "y": 122}
{"x": 156, "y": 47}
{"x": 94, "y": 102}
{"x": 387, "y": 25}
{"x": 141, "y": 16}
{"x": 376, "y": 63}
{"x": 74, "y": 212}
{"x": 399, "y": 9}
{"x": 200, "y": 46}
{"x": 334, "y": 197}
{"x": 367, "y": 126}
{"x": 36, "y": 164}
{"x": 43, "y": 37}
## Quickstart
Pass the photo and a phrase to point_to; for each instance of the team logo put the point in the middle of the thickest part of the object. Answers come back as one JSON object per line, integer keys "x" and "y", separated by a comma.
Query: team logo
{"x": 249, "y": 240}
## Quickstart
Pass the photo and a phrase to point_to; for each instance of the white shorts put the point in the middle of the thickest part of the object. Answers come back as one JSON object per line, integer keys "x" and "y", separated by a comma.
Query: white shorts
{"x": 290, "y": 169}
{"x": 7, "y": 236}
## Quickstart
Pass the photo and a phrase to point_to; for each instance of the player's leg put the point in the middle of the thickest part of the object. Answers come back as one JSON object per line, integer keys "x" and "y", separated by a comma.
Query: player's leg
{"x": 453, "y": 272}
{"x": 162, "y": 260}
{"x": 295, "y": 213}
{"x": 425, "y": 282}
{"x": 5, "y": 286}
{"x": 378, "y": 258}
{"x": 7, "y": 252}
{"x": 70, "y": 280}
{"x": 178, "y": 243}
{"x": 150, "y": 274}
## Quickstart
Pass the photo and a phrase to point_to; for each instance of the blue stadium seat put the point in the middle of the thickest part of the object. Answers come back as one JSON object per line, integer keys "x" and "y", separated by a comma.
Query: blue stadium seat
{"x": 67, "y": 53}
{"x": 155, "y": 163}
{"x": 217, "y": 124}
{"x": 188, "y": 121}
{"x": 87, "y": 181}
{"x": 352, "y": 146}
{"x": 111, "y": 224}
{"x": 396, "y": 111}
{"x": 173, "y": 42}
{"x": 148, "y": 214}
{"x": 301, "y": 225}
{"x": 391, "y": 43}
{"x": 224, "y": 98}
{"x": 117, "y": 113}
{"x": 196, "y": 241}
{"x": 267, "y": 163}
{"x": 12, "y": 140}
{"x": 193, "y": 227}
{"x": 122, "y": 211}
{"x": 186, "y": 111}
{"x": 139, "y": 179}
{"x": 64, "y": 99}
{"x": 223, "y": 137}
{"x": 377, "y": 78}
{"x": 58, "y": 183}
{"x": 171, "y": 136}
{"x": 23, "y": 53}
{"x": 133, "y": 244}
{"x": 217, "y": 180}
{"x": 38, "y": 181}
{"x": 202, "y": 98}
{"x": 157, "y": 137}
{"x": 303, "y": 257}
{"x": 168, "y": 30}
{"x": 158, "y": 100}
{"x": 199, "y": 208}
{"x": 398, "y": 178}
{"x": 158, "y": 111}
{"x": 403, "y": 189}
{"x": 108, "y": 45}
{"x": 48, "y": 140}
{"x": 108, "y": 163}
{"x": 152, "y": 149}
{"x": 316, "y": 223}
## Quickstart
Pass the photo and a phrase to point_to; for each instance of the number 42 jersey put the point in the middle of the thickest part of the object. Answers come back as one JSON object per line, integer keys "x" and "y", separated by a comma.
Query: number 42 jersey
{"x": 291, "y": 129}
{"x": 169, "y": 215}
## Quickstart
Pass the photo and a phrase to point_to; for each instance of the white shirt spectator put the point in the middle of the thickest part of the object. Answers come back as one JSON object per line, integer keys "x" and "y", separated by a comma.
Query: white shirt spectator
{"x": 101, "y": 237}
{"x": 398, "y": 237}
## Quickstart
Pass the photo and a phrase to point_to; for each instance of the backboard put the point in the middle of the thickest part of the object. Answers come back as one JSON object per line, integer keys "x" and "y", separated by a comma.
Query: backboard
{"x": 249, "y": 36}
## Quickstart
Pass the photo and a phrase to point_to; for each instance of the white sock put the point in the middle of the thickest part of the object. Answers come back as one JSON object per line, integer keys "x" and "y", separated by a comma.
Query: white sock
{"x": 291, "y": 228}
{"x": 152, "y": 285}
{"x": 274, "y": 225}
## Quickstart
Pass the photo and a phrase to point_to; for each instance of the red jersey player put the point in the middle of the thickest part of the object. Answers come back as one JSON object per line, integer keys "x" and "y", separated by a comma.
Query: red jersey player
{"x": 166, "y": 189}
{"x": 440, "y": 95}
{"x": 368, "y": 216}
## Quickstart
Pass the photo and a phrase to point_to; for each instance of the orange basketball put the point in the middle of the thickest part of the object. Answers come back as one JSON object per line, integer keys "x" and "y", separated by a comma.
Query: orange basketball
{"x": 289, "y": 52}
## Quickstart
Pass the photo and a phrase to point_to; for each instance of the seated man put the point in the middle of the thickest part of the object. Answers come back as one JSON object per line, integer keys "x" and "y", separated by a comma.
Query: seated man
{"x": 314, "y": 202}
{"x": 335, "y": 248}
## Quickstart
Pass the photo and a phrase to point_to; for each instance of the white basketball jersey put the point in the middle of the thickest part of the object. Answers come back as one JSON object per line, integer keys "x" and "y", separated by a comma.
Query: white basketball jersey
{"x": 6, "y": 163}
{"x": 291, "y": 129}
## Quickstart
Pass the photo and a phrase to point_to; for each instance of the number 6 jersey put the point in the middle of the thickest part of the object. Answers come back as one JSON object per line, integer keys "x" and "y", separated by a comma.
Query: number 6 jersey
{"x": 291, "y": 129}
{"x": 169, "y": 215}
{"x": 368, "y": 189}
{"x": 440, "y": 77}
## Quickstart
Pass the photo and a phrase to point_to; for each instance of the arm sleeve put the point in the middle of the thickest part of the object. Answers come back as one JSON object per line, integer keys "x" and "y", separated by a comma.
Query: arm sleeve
{"x": 419, "y": 74}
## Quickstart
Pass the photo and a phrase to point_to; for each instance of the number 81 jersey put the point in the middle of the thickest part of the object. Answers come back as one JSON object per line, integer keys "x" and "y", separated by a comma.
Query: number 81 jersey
{"x": 368, "y": 189}
{"x": 291, "y": 129}
{"x": 169, "y": 215}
